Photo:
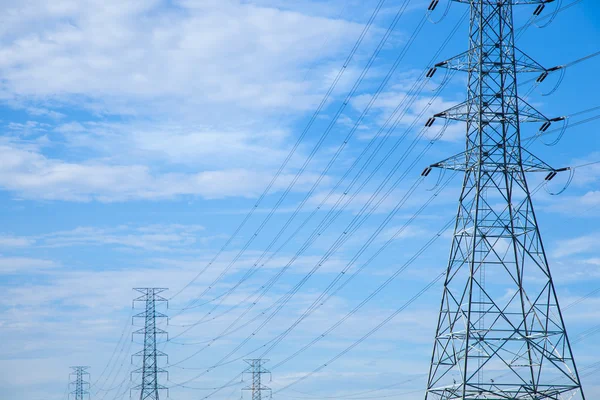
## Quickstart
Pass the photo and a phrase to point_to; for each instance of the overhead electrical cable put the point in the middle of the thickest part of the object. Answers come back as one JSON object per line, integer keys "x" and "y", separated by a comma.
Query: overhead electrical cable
{"x": 412, "y": 93}
{"x": 568, "y": 124}
{"x": 373, "y": 294}
{"x": 373, "y": 330}
{"x": 357, "y": 192}
{"x": 521, "y": 31}
{"x": 124, "y": 333}
{"x": 124, "y": 361}
{"x": 359, "y": 218}
{"x": 361, "y": 393}
{"x": 317, "y": 112}
{"x": 222, "y": 361}
{"x": 329, "y": 128}
{"x": 367, "y": 335}
{"x": 582, "y": 299}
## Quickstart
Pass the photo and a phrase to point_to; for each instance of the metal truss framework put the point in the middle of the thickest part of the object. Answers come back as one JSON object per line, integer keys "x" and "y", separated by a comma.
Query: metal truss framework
{"x": 149, "y": 387}
{"x": 500, "y": 333}
{"x": 257, "y": 370}
{"x": 81, "y": 385}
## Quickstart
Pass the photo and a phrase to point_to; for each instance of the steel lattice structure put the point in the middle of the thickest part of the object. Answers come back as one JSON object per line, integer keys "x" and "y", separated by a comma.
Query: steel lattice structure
{"x": 149, "y": 387}
{"x": 81, "y": 385}
{"x": 257, "y": 370}
{"x": 500, "y": 333}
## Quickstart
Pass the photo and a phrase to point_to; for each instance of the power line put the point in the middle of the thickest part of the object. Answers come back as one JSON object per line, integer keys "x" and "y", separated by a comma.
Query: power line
{"x": 124, "y": 333}
{"x": 367, "y": 335}
{"x": 329, "y": 128}
{"x": 317, "y": 112}
{"x": 412, "y": 95}
{"x": 281, "y": 305}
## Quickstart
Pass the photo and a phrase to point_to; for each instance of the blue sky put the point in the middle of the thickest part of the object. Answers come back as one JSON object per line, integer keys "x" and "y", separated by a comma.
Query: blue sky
{"x": 137, "y": 135}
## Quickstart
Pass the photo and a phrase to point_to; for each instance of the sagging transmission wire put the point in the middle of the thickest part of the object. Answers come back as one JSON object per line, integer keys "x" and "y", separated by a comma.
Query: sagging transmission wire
{"x": 566, "y": 124}
{"x": 124, "y": 333}
{"x": 119, "y": 389}
{"x": 582, "y": 336}
{"x": 416, "y": 140}
{"x": 582, "y": 299}
{"x": 412, "y": 300}
{"x": 320, "y": 300}
{"x": 558, "y": 10}
{"x": 368, "y": 334}
{"x": 286, "y": 297}
{"x": 327, "y": 220}
{"x": 409, "y": 262}
{"x": 562, "y": 68}
{"x": 595, "y": 368}
{"x": 305, "y": 131}
{"x": 287, "y": 159}
{"x": 290, "y": 293}
{"x": 411, "y": 94}
{"x": 351, "y": 395}
{"x": 371, "y": 397}
{"x": 113, "y": 385}
{"x": 121, "y": 362}
{"x": 386, "y": 320}
{"x": 329, "y": 128}
{"x": 357, "y": 221}
{"x": 521, "y": 31}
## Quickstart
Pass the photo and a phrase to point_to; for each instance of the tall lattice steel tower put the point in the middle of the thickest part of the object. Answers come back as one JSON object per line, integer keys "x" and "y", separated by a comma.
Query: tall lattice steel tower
{"x": 80, "y": 384}
{"x": 149, "y": 387}
{"x": 257, "y": 370}
{"x": 500, "y": 333}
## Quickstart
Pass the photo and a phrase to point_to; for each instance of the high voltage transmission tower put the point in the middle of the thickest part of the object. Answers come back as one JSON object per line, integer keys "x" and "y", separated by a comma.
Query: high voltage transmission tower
{"x": 81, "y": 385}
{"x": 500, "y": 333}
{"x": 149, "y": 387}
{"x": 257, "y": 370}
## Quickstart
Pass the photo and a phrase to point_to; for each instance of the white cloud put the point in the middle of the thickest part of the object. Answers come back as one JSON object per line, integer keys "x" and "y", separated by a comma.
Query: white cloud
{"x": 20, "y": 265}
{"x": 200, "y": 81}
{"x": 15, "y": 241}
{"x": 32, "y": 175}
{"x": 582, "y": 244}
{"x": 198, "y": 52}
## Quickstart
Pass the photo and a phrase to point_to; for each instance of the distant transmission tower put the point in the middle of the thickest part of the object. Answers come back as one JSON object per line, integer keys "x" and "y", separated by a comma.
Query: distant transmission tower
{"x": 81, "y": 385}
{"x": 257, "y": 370}
{"x": 149, "y": 387}
{"x": 500, "y": 333}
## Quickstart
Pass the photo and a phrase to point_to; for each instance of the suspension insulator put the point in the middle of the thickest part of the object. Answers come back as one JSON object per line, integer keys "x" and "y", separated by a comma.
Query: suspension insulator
{"x": 431, "y": 72}
{"x": 545, "y": 126}
{"x": 430, "y": 122}
{"x": 551, "y": 176}
{"x": 426, "y": 171}
{"x": 539, "y": 9}
{"x": 542, "y": 77}
{"x": 433, "y": 5}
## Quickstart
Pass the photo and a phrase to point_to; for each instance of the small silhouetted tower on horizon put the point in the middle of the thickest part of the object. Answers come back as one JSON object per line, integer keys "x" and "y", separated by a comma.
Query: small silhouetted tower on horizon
{"x": 500, "y": 333}
{"x": 149, "y": 387}
{"x": 257, "y": 370}
{"x": 81, "y": 386}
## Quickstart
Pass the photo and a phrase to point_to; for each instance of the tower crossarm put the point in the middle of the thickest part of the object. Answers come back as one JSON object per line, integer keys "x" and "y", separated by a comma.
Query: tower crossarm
{"x": 491, "y": 62}
{"x": 526, "y": 161}
{"x": 506, "y": 2}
